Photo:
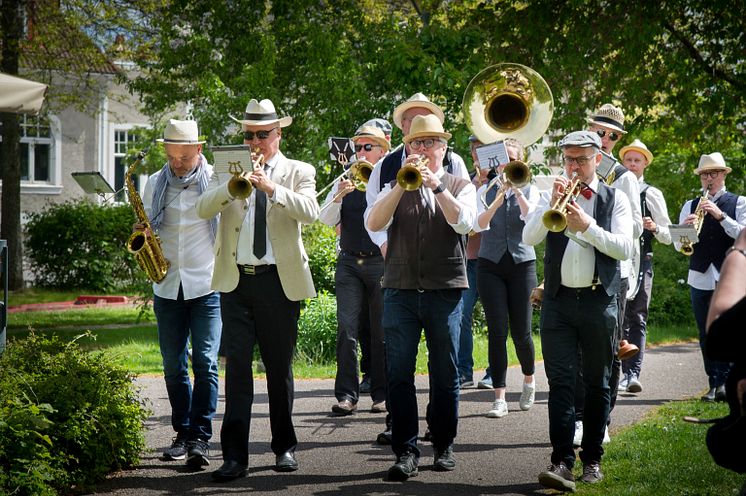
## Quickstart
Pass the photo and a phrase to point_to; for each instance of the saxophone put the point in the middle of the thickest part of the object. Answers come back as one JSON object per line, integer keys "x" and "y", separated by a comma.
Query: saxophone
{"x": 146, "y": 248}
{"x": 686, "y": 244}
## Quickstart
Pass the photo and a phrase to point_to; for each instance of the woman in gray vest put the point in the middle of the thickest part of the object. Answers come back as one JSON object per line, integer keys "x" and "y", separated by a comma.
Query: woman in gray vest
{"x": 506, "y": 274}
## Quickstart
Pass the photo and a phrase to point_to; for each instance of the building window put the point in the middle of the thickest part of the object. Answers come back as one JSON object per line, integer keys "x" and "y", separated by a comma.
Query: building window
{"x": 123, "y": 139}
{"x": 37, "y": 151}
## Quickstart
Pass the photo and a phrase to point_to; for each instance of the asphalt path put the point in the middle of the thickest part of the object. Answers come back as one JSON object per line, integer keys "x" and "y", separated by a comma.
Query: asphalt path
{"x": 338, "y": 455}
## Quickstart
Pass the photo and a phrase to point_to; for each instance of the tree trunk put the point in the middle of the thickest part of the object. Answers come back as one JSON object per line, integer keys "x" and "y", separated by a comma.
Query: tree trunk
{"x": 12, "y": 31}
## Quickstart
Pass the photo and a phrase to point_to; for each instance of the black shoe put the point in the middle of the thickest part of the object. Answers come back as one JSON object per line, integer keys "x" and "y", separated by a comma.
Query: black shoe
{"x": 592, "y": 473}
{"x": 286, "y": 462}
{"x": 199, "y": 454}
{"x": 228, "y": 471}
{"x": 384, "y": 437}
{"x": 720, "y": 394}
{"x": 404, "y": 468}
{"x": 444, "y": 461}
{"x": 428, "y": 436}
{"x": 178, "y": 449}
{"x": 558, "y": 477}
{"x": 709, "y": 396}
{"x": 365, "y": 384}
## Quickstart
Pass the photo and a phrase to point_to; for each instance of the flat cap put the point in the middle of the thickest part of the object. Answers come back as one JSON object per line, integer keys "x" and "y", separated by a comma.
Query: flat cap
{"x": 583, "y": 139}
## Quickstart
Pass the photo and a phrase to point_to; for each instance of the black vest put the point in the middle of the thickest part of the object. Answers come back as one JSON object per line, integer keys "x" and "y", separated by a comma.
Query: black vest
{"x": 607, "y": 268}
{"x": 646, "y": 238}
{"x": 354, "y": 237}
{"x": 424, "y": 252}
{"x": 710, "y": 249}
{"x": 392, "y": 163}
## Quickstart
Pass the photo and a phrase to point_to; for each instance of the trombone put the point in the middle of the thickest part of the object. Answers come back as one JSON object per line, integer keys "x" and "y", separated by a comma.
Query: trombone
{"x": 359, "y": 173}
{"x": 409, "y": 176}
{"x": 515, "y": 174}
{"x": 239, "y": 185}
{"x": 555, "y": 219}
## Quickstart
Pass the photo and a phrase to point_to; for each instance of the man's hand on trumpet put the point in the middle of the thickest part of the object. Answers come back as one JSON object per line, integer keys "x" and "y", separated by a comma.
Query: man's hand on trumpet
{"x": 261, "y": 181}
{"x": 577, "y": 219}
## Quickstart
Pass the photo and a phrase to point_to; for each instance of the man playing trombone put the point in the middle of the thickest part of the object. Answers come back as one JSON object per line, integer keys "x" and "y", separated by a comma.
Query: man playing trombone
{"x": 579, "y": 310}
{"x": 425, "y": 214}
{"x": 357, "y": 278}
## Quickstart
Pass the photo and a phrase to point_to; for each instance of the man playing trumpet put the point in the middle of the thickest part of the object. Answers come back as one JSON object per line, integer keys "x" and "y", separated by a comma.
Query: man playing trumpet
{"x": 424, "y": 275}
{"x": 579, "y": 311}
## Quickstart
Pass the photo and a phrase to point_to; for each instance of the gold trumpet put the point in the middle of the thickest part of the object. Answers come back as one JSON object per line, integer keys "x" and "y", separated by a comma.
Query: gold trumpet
{"x": 409, "y": 176}
{"x": 358, "y": 173}
{"x": 239, "y": 185}
{"x": 555, "y": 219}
{"x": 515, "y": 174}
{"x": 687, "y": 245}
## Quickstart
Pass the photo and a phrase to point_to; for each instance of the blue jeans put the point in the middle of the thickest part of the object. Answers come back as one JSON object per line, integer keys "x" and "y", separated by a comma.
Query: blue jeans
{"x": 192, "y": 409}
{"x": 716, "y": 371}
{"x": 466, "y": 339}
{"x": 406, "y": 313}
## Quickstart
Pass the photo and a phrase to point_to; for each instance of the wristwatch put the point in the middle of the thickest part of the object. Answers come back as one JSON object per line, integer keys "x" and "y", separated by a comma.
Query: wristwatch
{"x": 733, "y": 248}
{"x": 439, "y": 189}
{"x": 723, "y": 217}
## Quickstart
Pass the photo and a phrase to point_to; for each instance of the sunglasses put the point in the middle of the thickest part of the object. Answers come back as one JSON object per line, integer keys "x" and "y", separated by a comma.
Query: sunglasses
{"x": 367, "y": 147}
{"x": 262, "y": 135}
{"x": 612, "y": 135}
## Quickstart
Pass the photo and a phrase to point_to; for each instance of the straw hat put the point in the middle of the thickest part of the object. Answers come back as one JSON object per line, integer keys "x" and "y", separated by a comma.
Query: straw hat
{"x": 636, "y": 146}
{"x": 609, "y": 116}
{"x": 418, "y": 100}
{"x": 373, "y": 133}
{"x": 426, "y": 125}
{"x": 260, "y": 113}
{"x": 711, "y": 162}
{"x": 181, "y": 133}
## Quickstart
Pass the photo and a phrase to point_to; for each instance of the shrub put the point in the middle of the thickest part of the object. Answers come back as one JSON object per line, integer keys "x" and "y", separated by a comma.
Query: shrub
{"x": 69, "y": 417}
{"x": 320, "y": 242}
{"x": 80, "y": 244}
{"x": 317, "y": 330}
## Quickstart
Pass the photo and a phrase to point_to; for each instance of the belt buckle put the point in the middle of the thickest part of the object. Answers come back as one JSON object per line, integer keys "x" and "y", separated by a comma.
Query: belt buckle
{"x": 249, "y": 269}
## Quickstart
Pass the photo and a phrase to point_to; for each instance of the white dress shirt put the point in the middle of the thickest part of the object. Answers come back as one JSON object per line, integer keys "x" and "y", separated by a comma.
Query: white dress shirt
{"x": 579, "y": 260}
{"x": 656, "y": 204}
{"x": 707, "y": 280}
{"x": 245, "y": 251}
{"x": 530, "y": 192}
{"x": 630, "y": 186}
{"x": 186, "y": 241}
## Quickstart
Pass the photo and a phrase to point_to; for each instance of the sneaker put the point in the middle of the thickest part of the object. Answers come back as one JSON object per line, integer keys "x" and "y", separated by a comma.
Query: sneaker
{"x": 404, "y": 468}
{"x": 378, "y": 407}
{"x": 634, "y": 385}
{"x": 499, "y": 409}
{"x": 592, "y": 473}
{"x": 465, "y": 382}
{"x": 607, "y": 438}
{"x": 623, "y": 383}
{"x": 384, "y": 438}
{"x": 577, "y": 440}
{"x": 485, "y": 383}
{"x": 527, "y": 396}
{"x": 444, "y": 461}
{"x": 178, "y": 449}
{"x": 558, "y": 477}
{"x": 365, "y": 384}
{"x": 198, "y": 454}
{"x": 344, "y": 407}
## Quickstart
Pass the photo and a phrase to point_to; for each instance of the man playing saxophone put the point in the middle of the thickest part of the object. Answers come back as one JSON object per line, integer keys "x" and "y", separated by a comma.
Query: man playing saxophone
{"x": 184, "y": 304}
{"x": 722, "y": 216}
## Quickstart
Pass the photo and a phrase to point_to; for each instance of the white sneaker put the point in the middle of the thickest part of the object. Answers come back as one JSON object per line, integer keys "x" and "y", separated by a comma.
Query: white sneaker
{"x": 499, "y": 409}
{"x": 634, "y": 385}
{"x": 577, "y": 440}
{"x": 623, "y": 383}
{"x": 527, "y": 396}
{"x": 607, "y": 438}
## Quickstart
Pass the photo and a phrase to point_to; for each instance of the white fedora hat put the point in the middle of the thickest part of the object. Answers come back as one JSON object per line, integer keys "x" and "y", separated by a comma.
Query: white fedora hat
{"x": 418, "y": 100}
{"x": 260, "y": 113}
{"x": 426, "y": 125}
{"x": 711, "y": 162}
{"x": 374, "y": 133}
{"x": 609, "y": 116}
{"x": 181, "y": 133}
{"x": 636, "y": 146}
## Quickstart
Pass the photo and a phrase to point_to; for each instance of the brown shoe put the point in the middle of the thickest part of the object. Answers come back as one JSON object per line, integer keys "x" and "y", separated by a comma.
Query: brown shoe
{"x": 592, "y": 473}
{"x": 558, "y": 477}
{"x": 378, "y": 407}
{"x": 344, "y": 407}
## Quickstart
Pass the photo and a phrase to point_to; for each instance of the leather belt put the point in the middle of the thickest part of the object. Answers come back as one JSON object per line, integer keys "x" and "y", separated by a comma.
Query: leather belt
{"x": 360, "y": 254}
{"x": 253, "y": 270}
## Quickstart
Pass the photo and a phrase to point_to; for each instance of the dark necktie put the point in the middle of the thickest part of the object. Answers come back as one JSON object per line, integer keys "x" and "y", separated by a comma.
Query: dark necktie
{"x": 260, "y": 224}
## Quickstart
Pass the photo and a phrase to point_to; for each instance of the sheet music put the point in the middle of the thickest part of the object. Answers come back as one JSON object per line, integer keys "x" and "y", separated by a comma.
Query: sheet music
{"x": 683, "y": 232}
{"x": 224, "y": 155}
{"x": 492, "y": 155}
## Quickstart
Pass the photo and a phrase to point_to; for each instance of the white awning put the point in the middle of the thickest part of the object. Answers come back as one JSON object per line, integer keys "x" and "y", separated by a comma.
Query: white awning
{"x": 20, "y": 96}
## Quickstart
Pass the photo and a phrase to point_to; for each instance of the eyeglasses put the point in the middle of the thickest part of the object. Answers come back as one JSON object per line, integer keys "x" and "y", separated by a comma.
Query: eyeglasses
{"x": 262, "y": 135}
{"x": 581, "y": 161}
{"x": 367, "y": 147}
{"x": 612, "y": 135}
{"x": 426, "y": 143}
{"x": 710, "y": 174}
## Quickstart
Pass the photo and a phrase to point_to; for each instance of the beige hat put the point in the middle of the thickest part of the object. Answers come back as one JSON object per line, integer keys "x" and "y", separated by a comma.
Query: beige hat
{"x": 373, "y": 133}
{"x": 181, "y": 133}
{"x": 711, "y": 162}
{"x": 426, "y": 125}
{"x": 418, "y": 100}
{"x": 609, "y": 116}
{"x": 260, "y": 113}
{"x": 636, "y": 146}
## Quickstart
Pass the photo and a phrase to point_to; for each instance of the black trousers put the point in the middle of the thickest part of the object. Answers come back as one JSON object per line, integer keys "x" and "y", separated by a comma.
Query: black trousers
{"x": 258, "y": 312}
